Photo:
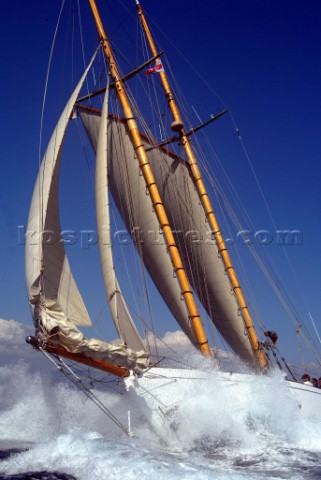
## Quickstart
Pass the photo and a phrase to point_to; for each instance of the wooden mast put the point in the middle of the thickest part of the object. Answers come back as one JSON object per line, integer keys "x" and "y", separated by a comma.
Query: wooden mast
{"x": 204, "y": 197}
{"x": 152, "y": 187}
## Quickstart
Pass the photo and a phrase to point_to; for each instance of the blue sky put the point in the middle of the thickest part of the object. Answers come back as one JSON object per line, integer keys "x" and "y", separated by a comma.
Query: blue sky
{"x": 262, "y": 58}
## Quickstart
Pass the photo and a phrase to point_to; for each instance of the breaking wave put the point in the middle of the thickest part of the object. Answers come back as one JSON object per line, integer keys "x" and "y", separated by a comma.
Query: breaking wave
{"x": 253, "y": 431}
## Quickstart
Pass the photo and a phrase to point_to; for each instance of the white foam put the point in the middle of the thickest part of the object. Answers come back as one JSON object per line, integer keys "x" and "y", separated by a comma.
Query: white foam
{"x": 222, "y": 431}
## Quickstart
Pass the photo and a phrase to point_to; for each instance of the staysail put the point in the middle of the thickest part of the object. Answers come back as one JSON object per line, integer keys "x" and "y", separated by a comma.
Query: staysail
{"x": 201, "y": 257}
{"x": 55, "y": 300}
{"x": 121, "y": 316}
{"x": 128, "y": 189}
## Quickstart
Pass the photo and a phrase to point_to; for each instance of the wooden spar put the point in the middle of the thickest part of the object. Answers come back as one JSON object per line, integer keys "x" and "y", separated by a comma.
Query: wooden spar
{"x": 78, "y": 357}
{"x": 124, "y": 79}
{"x": 189, "y": 133}
{"x": 204, "y": 197}
{"x": 152, "y": 187}
{"x": 91, "y": 362}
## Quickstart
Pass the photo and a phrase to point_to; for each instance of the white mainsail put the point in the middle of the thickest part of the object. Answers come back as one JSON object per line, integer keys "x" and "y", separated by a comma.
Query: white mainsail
{"x": 121, "y": 316}
{"x": 199, "y": 251}
{"x": 201, "y": 258}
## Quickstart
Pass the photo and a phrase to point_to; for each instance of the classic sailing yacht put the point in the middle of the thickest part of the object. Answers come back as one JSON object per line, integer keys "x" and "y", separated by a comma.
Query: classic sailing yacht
{"x": 155, "y": 191}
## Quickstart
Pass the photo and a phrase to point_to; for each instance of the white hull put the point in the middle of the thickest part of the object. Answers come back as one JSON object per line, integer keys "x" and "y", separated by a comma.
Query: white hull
{"x": 163, "y": 390}
{"x": 308, "y": 398}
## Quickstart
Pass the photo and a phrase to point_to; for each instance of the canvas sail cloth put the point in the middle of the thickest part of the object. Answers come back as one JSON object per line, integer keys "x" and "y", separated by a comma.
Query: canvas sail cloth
{"x": 121, "y": 316}
{"x": 55, "y": 300}
{"x": 128, "y": 189}
{"x": 201, "y": 258}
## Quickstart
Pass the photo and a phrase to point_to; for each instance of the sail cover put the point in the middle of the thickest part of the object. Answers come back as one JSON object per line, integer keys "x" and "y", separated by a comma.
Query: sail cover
{"x": 54, "y": 298}
{"x": 200, "y": 255}
{"x": 121, "y": 316}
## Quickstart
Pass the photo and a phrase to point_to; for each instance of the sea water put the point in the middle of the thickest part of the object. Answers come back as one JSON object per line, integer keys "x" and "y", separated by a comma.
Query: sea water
{"x": 49, "y": 430}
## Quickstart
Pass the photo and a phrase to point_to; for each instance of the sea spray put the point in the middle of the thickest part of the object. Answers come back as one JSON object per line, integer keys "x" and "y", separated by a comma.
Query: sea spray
{"x": 230, "y": 431}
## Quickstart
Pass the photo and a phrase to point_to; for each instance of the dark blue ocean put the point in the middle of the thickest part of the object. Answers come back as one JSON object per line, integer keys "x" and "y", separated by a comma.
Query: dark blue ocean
{"x": 6, "y": 454}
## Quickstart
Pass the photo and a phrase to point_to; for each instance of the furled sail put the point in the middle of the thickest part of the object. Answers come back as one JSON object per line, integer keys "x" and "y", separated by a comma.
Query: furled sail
{"x": 199, "y": 253}
{"x": 121, "y": 316}
{"x": 55, "y": 300}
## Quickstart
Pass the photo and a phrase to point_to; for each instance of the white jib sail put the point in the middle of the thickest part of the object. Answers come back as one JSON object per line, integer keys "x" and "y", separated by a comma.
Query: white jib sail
{"x": 48, "y": 276}
{"x": 121, "y": 316}
{"x": 55, "y": 300}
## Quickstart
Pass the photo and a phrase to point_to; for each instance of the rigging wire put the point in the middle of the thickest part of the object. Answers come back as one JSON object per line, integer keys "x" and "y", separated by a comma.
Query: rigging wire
{"x": 268, "y": 210}
{"x": 204, "y": 293}
{"x": 315, "y": 328}
{"x": 41, "y": 179}
{"x": 176, "y": 190}
{"x": 47, "y": 78}
{"x": 147, "y": 131}
{"x": 133, "y": 224}
{"x": 233, "y": 119}
{"x": 287, "y": 304}
{"x": 68, "y": 372}
{"x": 41, "y": 212}
{"x": 300, "y": 347}
{"x": 82, "y": 42}
{"x": 222, "y": 101}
